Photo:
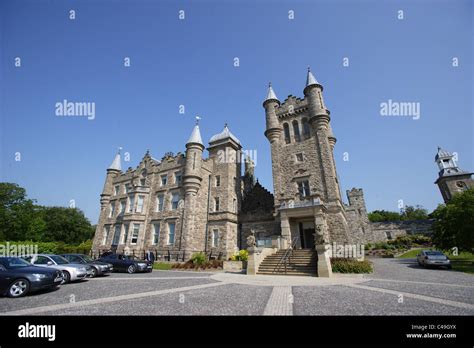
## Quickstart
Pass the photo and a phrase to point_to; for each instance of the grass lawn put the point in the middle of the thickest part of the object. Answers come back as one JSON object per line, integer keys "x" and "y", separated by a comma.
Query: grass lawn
{"x": 411, "y": 254}
{"x": 163, "y": 266}
{"x": 464, "y": 262}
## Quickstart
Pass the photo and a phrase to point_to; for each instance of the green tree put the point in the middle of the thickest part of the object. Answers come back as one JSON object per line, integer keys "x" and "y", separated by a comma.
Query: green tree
{"x": 383, "y": 215}
{"x": 454, "y": 223}
{"x": 68, "y": 225}
{"x": 19, "y": 217}
{"x": 414, "y": 213}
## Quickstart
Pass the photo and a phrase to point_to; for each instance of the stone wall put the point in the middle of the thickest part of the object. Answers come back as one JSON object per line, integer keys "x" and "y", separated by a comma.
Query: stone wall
{"x": 384, "y": 231}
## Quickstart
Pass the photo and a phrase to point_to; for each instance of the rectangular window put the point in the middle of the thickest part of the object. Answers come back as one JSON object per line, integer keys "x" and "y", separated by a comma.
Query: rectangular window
{"x": 112, "y": 209}
{"x": 215, "y": 238}
{"x": 135, "y": 232}
{"x": 117, "y": 189}
{"x": 171, "y": 229}
{"x": 125, "y": 234}
{"x": 218, "y": 180}
{"x": 164, "y": 180}
{"x": 299, "y": 157}
{"x": 106, "y": 234}
{"x": 216, "y": 204}
{"x": 156, "y": 233}
{"x": 142, "y": 182}
{"x": 123, "y": 203}
{"x": 131, "y": 204}
{"x": 127, "y": 188}
{"x": 303, "y": 188}
{"x": 159, "y": 202}
{"x": 118, "y": 229}
{"x": 174, "y": 201}
{"x": 178, "y": 178}
{"x": 140, "y": 201}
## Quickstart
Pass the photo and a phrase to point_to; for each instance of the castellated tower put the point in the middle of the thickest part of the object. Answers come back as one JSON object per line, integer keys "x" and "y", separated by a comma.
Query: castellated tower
{"x": 306, "y": 189}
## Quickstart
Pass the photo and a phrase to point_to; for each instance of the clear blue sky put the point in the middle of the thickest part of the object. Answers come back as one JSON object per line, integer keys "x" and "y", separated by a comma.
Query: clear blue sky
{"x": 190, "y": 62}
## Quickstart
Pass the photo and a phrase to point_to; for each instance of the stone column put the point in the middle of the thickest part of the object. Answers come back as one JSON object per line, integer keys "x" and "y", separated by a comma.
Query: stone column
{"x": 285, "y": 231}
{"x": 324, "y": 263}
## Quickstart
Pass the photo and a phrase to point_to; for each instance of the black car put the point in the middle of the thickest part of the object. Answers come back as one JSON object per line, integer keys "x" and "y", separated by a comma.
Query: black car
{"x": 19, "y": 277}
{"x": 98, "y": 267}
{"x": 127, "y": 263}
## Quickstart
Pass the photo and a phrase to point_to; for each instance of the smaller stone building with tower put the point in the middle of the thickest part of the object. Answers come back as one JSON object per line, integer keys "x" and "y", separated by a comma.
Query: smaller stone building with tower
{"x": 451, "y": 178}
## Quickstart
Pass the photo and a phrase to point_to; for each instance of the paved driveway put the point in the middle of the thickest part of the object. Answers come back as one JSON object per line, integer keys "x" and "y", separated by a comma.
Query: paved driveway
{"x": 397, "y": 287}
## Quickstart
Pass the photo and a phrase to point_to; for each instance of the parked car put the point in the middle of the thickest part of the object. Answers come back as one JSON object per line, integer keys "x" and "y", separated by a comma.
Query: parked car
{"x": 71, "y": 271}
{"x": 127, "y": 263}
{"x": 19, "y": 277}
{"x": 427, "y": 258}
{"x": 98, "y": 267}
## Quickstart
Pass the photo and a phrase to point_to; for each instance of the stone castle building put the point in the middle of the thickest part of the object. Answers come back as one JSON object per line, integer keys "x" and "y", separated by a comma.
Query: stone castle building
{"x": 186, "y": 202}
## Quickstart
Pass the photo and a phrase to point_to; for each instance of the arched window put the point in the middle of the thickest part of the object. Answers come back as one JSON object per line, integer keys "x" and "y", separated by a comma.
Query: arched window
{"x": 286, "y": 129}
{"x": 306, "y": 129}
{"x": 296, "y": 131}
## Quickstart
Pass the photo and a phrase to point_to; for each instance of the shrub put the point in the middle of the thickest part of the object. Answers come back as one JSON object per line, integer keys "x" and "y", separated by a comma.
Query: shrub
{"x": 341, "y": 265}
{"x": 243, "y": 255}
{"x": 198, "y": 258}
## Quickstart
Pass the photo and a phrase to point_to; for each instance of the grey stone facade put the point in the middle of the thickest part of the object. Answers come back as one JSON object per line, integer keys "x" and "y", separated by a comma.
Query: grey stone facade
{"x": 184, "y": 203}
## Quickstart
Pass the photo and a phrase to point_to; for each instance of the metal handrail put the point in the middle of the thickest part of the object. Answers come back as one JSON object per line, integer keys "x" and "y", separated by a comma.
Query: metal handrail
{"x": 285, "y": 259}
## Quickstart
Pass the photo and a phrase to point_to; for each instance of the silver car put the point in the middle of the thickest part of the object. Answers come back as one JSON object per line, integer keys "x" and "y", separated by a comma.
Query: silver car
{"x": 427, "y": 258}
{"x": 71, "y": 271}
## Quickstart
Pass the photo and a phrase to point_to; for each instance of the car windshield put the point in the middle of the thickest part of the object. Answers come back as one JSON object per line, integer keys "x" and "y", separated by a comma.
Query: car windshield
{"x": 88, "y": 258}
{"x": 59, "y": 259}
{"x": 130, "y": 257}
{"x": 14, "y": 262}
{"x": 433, "y": 253}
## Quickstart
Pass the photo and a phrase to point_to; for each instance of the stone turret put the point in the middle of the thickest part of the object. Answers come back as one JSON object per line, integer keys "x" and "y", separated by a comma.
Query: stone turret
{"x": 273, "y": 127}
{"x": 192, "y": 171}
{"x": 112, "y": 172}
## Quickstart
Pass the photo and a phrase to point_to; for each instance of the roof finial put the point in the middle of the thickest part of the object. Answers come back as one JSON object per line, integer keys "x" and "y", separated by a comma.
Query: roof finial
{"x": 197, "y": 120}
{"x": 270, "y": 84}
{"x": 119, "y": 149}
{"x": 225, "y": 125}
{"x": 309, "y": 68}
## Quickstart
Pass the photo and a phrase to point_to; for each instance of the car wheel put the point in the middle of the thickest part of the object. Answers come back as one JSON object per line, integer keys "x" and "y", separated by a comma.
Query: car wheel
{"x": 131, "y": 269}
{"x": 18, "y": 288}
{"x": 94, "y": 272}
{"x": 66, "y": 277}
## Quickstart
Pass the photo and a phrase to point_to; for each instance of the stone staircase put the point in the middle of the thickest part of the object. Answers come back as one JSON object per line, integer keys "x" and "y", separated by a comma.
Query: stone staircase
{"x": 303, "y": 262}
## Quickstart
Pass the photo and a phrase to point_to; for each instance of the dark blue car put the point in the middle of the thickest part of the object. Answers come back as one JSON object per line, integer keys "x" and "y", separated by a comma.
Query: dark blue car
{"x": 127, "y": 263}
{"x": 19, "y": 277}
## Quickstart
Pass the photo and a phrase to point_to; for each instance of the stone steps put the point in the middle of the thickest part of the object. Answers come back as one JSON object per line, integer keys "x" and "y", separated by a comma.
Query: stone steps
{"x": 303, "y": 262}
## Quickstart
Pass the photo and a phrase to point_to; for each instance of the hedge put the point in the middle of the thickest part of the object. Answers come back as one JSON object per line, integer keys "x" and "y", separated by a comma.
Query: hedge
{"x": 341, "y": 265}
